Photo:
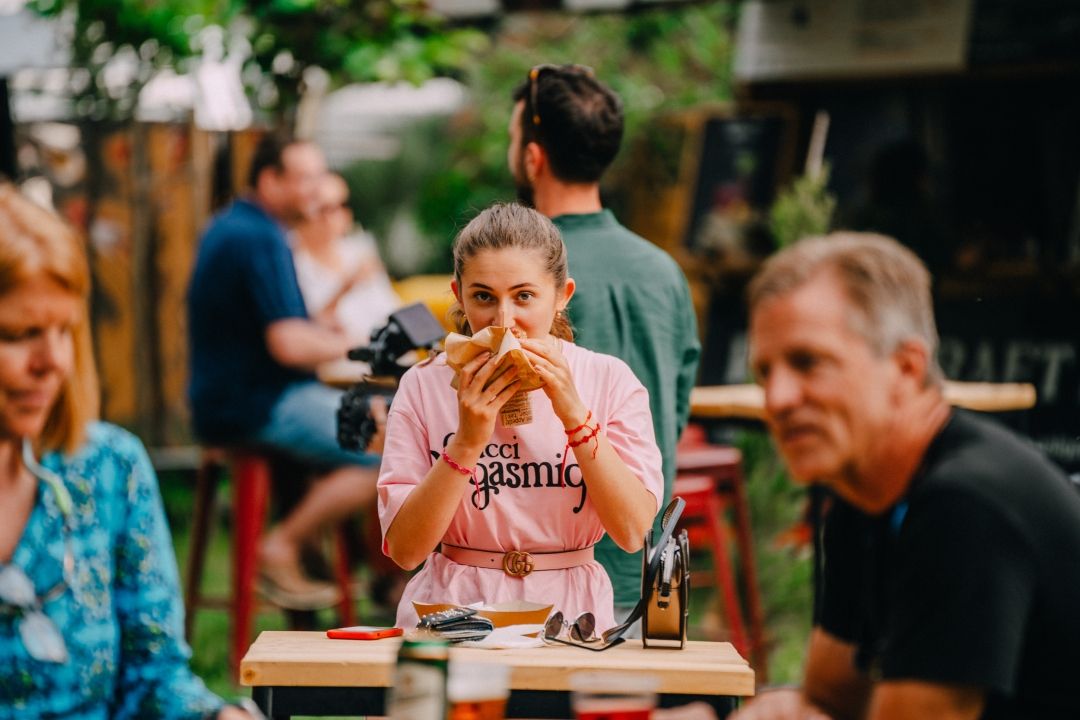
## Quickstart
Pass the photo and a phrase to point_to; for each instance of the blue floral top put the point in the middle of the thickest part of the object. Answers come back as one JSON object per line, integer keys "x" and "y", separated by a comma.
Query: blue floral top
{"x": 121, "y": 618}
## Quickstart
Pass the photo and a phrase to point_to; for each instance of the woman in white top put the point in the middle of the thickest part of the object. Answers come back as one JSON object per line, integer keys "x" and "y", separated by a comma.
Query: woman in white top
{"x": 341, "y": 277}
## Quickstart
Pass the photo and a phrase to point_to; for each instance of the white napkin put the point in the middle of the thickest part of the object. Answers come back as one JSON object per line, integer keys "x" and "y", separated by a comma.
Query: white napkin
{"x": 509, "y": 637}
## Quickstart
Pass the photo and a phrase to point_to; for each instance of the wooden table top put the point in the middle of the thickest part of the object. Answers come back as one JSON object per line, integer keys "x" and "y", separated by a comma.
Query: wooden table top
{"x": 748, "y": 400}
{"x": 310, "y": 659}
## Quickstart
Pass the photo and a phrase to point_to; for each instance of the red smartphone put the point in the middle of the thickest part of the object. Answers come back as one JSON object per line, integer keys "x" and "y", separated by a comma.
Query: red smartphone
{"x": 363, "y": 632}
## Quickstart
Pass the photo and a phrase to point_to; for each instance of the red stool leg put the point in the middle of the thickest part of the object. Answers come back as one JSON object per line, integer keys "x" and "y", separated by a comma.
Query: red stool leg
{"x": 343, "y": 575}
{"x": 251, "y": 491}
{"x": 745, "y": 544}
{"x": 725, "y": 574}
{"x": 206, "y": 478}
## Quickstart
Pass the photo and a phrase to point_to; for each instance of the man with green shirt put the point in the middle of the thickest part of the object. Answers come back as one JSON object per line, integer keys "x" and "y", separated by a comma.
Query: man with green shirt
{"x": 632, "y": 299}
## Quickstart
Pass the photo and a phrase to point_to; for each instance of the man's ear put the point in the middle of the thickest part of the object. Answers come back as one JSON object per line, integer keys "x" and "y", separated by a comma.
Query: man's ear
{"x": 265, "y": 182}
{"x": 535, "y": 160}
{"x": 913, "y": 363}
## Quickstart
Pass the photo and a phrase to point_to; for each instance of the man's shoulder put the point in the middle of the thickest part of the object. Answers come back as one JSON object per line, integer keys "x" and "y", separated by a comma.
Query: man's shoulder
{"x": 244, "y": 221}
{"x": 977, "y": 451}
{"x": 976, "y": 462}
{"x": 616, "y": 233}
{"x": 614, "y": 247}
{"x": 658, "y": 258}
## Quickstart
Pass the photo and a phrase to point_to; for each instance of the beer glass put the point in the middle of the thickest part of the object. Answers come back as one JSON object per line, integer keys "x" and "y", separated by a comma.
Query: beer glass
{"x": 477, "y": 691}
{"x": 613, "y": 696}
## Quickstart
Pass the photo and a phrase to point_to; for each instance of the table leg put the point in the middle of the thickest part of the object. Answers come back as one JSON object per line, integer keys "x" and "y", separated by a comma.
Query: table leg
{"x": 264, "y": 697}
{"x": 284, "y": 701}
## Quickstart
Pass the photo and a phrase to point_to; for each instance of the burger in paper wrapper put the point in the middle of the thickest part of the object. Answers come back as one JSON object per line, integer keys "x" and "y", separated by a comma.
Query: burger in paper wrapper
{"x": 501, "y": 342}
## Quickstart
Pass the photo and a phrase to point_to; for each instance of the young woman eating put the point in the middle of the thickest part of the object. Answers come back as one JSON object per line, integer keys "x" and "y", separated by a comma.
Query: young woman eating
{"x": 500, "y": 513}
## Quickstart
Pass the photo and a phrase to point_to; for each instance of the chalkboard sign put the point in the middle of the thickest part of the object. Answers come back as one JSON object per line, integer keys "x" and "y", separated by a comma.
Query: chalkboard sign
{"x": 739, "y": 170}
{"x": 1024, "y": 31}
{"x": 1025, "y": 338}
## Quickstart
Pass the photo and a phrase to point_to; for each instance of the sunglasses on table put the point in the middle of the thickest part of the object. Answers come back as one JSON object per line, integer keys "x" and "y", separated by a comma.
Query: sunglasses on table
{"x": 18, "y": 596}
{"x": 534, "y": 82}
{"x": 580, "y": 632}
{"x": 582, "y": 628}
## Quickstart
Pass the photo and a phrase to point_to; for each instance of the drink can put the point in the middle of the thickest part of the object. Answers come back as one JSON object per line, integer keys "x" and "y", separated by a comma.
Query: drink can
{"x": 419, "y": 690}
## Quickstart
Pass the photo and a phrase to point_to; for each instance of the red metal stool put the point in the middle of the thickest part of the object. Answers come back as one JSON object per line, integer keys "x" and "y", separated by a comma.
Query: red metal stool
{"x": 251, "y": 476}
{"x": 709, "y": 477}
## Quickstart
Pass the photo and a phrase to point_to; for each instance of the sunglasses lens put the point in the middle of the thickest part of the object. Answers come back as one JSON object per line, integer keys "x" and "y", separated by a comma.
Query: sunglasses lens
{"x": 15, "y": 588}
{"x": 583, "y": 628}
{"x": 554, "y": 625}
{"x": 41, "y": 638}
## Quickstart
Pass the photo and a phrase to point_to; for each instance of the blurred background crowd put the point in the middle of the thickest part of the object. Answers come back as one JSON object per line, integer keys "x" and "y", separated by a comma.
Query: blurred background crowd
{"x": 749, "y": 123}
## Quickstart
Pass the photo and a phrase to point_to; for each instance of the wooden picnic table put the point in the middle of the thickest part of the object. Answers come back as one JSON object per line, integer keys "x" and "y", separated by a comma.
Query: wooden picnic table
{"x": 305, "y": 673}
{"x": 747, "y": 401}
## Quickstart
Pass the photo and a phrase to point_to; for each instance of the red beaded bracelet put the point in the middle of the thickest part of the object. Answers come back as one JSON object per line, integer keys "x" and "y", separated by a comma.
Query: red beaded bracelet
{"x": 582, "y": 426}
{"x": 585, "y": 439}
{"x": 456, "y": 465}
{"x": 576, "y": 443}
{"x": 464, "y": 471}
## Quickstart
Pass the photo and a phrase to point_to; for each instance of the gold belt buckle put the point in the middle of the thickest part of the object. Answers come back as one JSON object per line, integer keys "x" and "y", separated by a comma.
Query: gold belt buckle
{"x": 517, "y": 563}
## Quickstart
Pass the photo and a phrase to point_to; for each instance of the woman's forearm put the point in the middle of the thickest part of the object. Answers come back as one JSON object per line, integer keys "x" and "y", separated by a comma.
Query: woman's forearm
{"x": 625, "y": 507}
{"x": 422, "y": 521}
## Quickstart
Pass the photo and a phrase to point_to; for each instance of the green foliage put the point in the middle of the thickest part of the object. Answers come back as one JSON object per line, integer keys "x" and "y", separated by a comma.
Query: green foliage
{"x": 784, "y": 569}
{"x": 802, "y": 209}
{"x": 154, "y": 33}
{"x": 353, "y": 41}
{"x": 383, "y": 191}
{"x": 392, "y": 40}
{"x": 657, "y": 61}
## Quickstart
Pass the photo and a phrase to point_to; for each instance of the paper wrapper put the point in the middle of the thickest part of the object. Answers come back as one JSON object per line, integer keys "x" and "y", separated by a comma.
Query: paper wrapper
{"x": 460, "y": 349}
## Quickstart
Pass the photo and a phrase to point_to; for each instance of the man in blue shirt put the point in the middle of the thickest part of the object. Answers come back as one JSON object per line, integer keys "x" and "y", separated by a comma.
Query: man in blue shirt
{"x": 254, "y": 350}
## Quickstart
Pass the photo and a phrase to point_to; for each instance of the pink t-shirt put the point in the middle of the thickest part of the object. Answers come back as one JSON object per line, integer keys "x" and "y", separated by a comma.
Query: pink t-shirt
{"x": 519, "y": 504}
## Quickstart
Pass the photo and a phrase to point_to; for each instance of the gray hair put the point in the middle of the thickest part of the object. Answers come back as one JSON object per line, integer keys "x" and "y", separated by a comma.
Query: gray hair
{"x": 889, "y": 287}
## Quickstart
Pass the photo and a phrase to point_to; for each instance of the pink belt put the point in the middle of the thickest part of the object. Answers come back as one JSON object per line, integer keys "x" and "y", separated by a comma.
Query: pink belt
{"x": 518, "y": 563}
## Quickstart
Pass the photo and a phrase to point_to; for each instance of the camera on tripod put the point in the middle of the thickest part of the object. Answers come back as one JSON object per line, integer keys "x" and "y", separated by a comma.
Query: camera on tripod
{"x": 411, "y": 328}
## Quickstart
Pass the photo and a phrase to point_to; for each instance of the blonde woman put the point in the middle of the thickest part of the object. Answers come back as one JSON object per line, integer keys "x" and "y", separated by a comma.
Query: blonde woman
{"x": 90, "y": 616}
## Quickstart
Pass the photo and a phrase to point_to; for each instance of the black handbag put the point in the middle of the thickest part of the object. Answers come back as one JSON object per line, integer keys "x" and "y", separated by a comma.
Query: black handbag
{"x": 651, "y": 574}
{"x": 667, "y": 606}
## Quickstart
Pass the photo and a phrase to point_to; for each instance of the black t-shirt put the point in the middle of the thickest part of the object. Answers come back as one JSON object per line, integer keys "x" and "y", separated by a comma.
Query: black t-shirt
{"x": 973, "y": 579}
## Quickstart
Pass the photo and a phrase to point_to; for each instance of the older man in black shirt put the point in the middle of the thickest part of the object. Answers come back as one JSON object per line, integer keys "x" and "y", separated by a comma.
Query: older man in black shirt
{"x": 952, "y": 552}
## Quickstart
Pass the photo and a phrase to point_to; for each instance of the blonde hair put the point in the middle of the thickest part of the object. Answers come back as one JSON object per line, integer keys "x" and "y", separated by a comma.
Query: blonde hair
{"x": 36, "y": 243}
{"x": 887, "y": 284}
{"x": 509, "y": 225}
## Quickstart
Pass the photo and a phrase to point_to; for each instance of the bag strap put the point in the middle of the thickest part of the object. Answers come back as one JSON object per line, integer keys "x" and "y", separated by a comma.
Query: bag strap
{"x": 672, "y": 514}
{"x": 667, "y": 527}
